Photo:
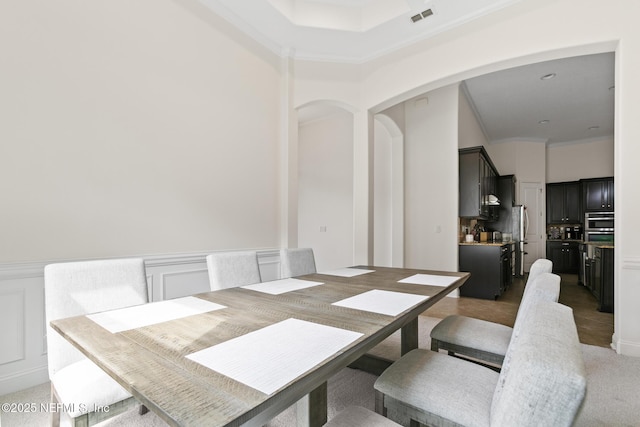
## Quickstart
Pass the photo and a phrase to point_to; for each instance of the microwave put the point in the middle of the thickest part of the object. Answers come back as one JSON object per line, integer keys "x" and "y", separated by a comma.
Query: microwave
{"x": 599, "y": 221}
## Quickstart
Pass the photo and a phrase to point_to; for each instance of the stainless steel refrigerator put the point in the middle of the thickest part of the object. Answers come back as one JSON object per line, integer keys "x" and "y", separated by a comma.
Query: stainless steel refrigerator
{"x": 514, "y": 220}
{"x": 520, "y": 223}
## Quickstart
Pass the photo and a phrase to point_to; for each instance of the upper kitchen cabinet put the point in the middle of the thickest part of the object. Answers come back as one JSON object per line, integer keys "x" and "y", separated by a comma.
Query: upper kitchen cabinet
{"x": 598, "y": 194}
{"x": 478, "y": 185}
{"x": 563, "y": 203}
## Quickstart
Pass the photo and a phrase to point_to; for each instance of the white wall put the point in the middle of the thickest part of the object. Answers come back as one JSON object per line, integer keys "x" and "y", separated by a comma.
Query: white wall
{"x": 469, "y": 130}
{"x": 130, "y": 128}
{"x": 431, "y": 155}
{"x": 588, "y": 159}
{"x": 325, "y": 197}
{"x": 382, "y": 198}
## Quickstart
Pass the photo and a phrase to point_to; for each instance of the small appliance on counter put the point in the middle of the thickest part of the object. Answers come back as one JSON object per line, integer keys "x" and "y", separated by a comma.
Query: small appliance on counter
{"x": 496, "y": 236}
{"x": 573, "y": 233}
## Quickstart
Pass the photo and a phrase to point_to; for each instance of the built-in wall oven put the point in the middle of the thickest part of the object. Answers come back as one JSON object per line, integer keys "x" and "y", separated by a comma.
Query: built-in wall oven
{"x": 598, "y": 227}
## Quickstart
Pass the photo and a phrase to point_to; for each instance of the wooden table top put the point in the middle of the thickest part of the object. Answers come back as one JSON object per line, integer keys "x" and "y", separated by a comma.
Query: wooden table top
{"x": 150, "y": 362}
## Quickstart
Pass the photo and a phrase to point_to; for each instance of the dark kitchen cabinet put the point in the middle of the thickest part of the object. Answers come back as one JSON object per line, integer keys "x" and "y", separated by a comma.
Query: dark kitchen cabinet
{"x": 563, "y": 203}
{"x": 603, "y": 278}
{"x": 565, "y": 256}
{"x": 598, "y": 195}
{"x": 490, "y": 268}
{"x": 477, "y": 185}
{"x": 506, "y": 185}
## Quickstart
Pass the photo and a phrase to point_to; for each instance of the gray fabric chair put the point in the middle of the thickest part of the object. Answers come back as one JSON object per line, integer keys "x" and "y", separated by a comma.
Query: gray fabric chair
{"x": 488, "y": 341}
{"x": 539, "y": 266}
{"x": 357, "y": 416}
{"x": 542, "y": 382}
{"x": 79, "y": 288}
{"x": 297, "y": 262}
{"x": 232, "y": 269}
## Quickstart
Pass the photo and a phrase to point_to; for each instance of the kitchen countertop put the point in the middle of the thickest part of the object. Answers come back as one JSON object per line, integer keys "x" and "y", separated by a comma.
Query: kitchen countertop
{"x": 486, "y": 243}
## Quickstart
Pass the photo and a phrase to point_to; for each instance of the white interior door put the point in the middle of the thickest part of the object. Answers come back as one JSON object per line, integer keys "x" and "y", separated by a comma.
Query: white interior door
{"x": 531, "y": 198}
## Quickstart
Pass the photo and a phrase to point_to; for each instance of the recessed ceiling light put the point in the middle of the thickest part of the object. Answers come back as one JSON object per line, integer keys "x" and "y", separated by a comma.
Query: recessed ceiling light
{"x": 548, "y": 76}
{"x": 543, "y": 122}
{"x": 594, "y": 127}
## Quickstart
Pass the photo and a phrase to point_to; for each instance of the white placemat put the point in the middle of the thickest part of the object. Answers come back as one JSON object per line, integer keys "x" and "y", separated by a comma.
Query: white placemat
{"x": 430, "y": 279}
{"x": 383, "y": 302}
{"x": 281, "y": 286}
{"x": 271, "y": 357}
{"x": 347, "y": 272}
{"x": 149, "y": 314}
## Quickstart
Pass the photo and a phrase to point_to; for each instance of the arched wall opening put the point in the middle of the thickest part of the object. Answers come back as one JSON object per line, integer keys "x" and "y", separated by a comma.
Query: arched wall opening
{"x": 325, "y": 182}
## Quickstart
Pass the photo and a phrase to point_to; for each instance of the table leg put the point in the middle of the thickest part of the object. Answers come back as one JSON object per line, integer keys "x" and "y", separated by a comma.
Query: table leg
{"x": 409, "y": 337}
{"x": 311, "y": 410}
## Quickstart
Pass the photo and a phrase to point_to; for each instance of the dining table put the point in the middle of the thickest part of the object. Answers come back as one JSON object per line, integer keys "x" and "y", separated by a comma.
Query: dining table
{"x": 240, "y": 356}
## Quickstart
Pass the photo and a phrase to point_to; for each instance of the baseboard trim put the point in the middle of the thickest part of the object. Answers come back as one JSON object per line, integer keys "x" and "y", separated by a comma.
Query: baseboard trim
{"x": 23, "y": 380}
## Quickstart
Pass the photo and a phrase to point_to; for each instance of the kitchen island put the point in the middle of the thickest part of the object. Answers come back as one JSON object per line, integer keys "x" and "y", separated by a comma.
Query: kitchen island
{"x": 490, "y": 265}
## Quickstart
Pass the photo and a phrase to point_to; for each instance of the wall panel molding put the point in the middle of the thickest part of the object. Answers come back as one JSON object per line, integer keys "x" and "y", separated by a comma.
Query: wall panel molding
{"x": 13, "y": 321}
{"x": 631, "y": 263}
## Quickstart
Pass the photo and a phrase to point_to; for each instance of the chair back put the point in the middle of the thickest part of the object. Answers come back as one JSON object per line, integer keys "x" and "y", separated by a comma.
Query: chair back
{"x": 543, "y": 379}
{"x": 79, "y": 288}
{"x": 544, "y": 287}
{"x": 297, "y": 262}
{"x": 232, "y": 269}
{"x": 539, "y": 266}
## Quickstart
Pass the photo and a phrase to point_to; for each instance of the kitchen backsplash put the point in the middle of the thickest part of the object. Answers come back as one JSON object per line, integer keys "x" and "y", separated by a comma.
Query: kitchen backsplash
{"x": 565, "y": 232}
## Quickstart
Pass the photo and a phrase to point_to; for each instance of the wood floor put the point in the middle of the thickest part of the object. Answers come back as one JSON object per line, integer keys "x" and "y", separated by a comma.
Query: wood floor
{"x": 594, "y": 327}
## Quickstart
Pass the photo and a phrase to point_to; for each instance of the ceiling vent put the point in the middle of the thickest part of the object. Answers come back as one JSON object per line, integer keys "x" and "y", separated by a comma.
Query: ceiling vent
{"x": 420, "y": 16}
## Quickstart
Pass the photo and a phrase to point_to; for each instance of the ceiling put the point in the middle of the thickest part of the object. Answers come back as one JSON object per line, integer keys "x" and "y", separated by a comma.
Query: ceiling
{"x": 515, "y": 104}
{"x": 352, "y": 31}
{"x": 575, "y": 105}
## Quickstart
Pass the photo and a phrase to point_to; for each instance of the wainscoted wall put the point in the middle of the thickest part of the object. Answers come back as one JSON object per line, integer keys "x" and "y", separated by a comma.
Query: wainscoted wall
{"x": 23, "y": 353}
{"x": 626, "y": 339}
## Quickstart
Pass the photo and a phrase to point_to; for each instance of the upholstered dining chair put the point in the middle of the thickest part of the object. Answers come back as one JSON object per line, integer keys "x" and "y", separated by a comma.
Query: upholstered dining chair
{"x": 538, "y": 267}
{"x": 79, "y": 288}
{"x": 297, "y": 262}
{"x": 488, "y": 341}
{"x": 543, "y": 381}
{"x": 232, "y": 269}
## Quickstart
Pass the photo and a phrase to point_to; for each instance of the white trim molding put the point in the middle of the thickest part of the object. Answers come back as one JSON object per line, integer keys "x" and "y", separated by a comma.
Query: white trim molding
{"x": 626, "y": 339}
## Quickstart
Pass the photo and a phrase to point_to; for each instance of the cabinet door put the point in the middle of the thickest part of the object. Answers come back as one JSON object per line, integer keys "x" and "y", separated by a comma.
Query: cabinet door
{"x": 485, "y": 172}
{"x": 484, "y": 264}
{"x": 609, "y": 195}
{"x": 470, "y": 186}
{"x": 555, "y": 203}
{"x": 555, "y": 253}
{"x": 572, "y": 258}
{"x": 572, "y": 210}
{"x": 593, "y": 196}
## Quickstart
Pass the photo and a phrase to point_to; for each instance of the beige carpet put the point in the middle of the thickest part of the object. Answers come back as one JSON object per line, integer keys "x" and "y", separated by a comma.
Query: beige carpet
{"x": 612, "y": 396}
